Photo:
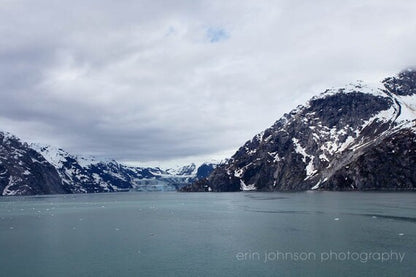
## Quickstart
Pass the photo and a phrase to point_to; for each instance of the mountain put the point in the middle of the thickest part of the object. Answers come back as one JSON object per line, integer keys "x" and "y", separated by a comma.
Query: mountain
{"x": 24, "y": 171}
{"x": 352, "y": 138}
{"x": 183, "y": 170}
{"x": 81, "y": 174}
{"x": 205, "y": 169}
{"x": 38, "y": 169}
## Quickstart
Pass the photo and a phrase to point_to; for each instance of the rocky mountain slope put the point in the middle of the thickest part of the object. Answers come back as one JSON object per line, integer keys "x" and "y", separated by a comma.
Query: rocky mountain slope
{"x": 351, "y": 138}
{"x": 36, "y": 169}
{"x": 24, "y": 171}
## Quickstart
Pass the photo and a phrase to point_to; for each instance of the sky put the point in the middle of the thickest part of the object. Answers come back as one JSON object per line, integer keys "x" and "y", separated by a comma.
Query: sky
{"x": 164, "y": 82}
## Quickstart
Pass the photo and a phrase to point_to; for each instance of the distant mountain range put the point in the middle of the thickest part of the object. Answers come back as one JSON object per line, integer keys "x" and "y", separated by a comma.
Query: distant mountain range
{"x": 352, "y": 138}
{"x": 27, "y": 169}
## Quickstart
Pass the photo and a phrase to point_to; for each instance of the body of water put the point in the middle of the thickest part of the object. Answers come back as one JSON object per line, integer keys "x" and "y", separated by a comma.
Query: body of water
{"x": 209, "y": 234}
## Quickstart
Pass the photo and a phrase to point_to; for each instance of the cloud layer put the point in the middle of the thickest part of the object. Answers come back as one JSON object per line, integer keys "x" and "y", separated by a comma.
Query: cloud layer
{"x": 165, "y": 80}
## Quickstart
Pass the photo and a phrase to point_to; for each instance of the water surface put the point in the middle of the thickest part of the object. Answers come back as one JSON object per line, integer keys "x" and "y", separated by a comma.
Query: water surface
{"x": 209, "y": 234}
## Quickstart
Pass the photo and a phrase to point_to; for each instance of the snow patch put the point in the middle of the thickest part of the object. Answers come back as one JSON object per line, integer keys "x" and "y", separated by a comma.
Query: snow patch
{"x": 57, "y": 156}
{"x": 408, "y": 110}
{"x": 358, "y": 86}
{"x": 245, "y": 187}
{"x": 12, "y": 181}
{"x": 350, "y": 140}
{"x": 27, "y": 172}
{"x": 238, "y": 173}
{"x": 310, "y": 170}
{"x": 315, "y": 187}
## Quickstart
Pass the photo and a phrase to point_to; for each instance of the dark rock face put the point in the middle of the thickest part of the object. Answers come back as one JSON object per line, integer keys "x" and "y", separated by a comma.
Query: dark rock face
{"x": 205, "y": 170}
{"x": 24, "y": 171}
{"x": 344, "y": 109}
{"x": 404, "y": 84}
{"x": 387, "y": 166}
{"x": 344, "y": 139}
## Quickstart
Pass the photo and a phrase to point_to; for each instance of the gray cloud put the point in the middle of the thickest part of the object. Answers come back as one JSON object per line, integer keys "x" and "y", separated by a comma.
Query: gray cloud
{"x": 166, "y": 80}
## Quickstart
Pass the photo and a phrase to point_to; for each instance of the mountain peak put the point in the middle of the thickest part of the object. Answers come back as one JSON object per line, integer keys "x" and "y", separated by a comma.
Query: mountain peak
{"x": 403, "y": 84}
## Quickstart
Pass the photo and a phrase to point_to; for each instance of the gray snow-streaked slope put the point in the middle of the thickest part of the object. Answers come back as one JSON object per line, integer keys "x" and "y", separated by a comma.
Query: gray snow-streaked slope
{"x": 351, "y": 138}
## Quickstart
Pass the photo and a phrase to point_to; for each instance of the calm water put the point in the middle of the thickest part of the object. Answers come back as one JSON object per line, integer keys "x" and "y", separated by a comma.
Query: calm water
{"x": 209, "y": 234}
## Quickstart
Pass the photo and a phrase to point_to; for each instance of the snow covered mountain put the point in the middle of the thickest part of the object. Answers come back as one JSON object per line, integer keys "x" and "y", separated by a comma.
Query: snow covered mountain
{"x": 183, "y": 170}
{"x": 351, "y": 138}
{"x": 25, "y": 171}
{"x": 37, "y": 169}
{"x": 81, "y": 174}
{"x": 198, "y": 171}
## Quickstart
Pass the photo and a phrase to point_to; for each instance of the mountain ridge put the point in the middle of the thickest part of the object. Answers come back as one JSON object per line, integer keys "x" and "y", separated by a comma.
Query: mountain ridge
{"x": 27, "y": 169}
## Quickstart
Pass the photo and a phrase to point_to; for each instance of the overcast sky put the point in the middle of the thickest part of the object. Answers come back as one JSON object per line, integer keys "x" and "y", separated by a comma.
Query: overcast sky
{"x": 161, "y": 81}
